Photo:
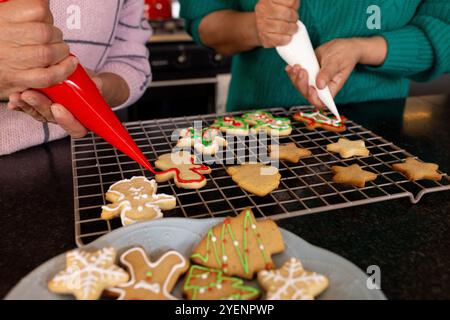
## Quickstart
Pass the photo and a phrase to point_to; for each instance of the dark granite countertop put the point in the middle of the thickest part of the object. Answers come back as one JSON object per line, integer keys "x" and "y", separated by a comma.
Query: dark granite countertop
{"x": 410, "y": 243}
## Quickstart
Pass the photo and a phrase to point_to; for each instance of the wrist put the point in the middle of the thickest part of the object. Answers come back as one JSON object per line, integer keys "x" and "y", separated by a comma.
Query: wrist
{"x": 251, "y": 31}
{"x": 373, "y": 50}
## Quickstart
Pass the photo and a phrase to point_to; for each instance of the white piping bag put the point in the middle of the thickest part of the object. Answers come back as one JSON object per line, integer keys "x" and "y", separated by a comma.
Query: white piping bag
{"x": 300, "y": 51}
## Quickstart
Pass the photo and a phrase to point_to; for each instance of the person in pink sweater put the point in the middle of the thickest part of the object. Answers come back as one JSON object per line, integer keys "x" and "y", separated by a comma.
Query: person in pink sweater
{"x": 108, "y": 37}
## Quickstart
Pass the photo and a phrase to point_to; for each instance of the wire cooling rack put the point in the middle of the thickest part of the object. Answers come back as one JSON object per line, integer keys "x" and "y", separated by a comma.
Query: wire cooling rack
{"x": 305, "y": 187}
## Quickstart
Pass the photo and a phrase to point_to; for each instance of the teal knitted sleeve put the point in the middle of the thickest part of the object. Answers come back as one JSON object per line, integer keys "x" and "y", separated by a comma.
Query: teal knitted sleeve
{"x": 420, "y": 50}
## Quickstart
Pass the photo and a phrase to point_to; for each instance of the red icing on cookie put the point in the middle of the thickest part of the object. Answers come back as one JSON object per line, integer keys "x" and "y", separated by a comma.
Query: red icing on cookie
{"x": 199, "y": 167}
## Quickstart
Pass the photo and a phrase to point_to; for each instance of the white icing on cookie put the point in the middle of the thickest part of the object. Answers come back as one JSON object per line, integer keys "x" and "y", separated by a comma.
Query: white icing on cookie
{"x": 153, "y": 287}
{"x": 136, "y": 200}
{"x": 85, "y": 271}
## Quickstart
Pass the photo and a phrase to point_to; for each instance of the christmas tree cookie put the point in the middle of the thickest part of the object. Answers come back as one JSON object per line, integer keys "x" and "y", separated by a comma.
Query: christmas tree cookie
{"x": 240, "y": 246}
{"x": 202, "y": 283}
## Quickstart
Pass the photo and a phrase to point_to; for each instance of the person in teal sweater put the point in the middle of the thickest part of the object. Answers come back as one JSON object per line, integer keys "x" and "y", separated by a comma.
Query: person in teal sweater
{"x": 360, "y": 60}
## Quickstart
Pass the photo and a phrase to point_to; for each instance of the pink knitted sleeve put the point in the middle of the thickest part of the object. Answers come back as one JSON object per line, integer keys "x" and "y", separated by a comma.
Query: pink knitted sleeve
{"x": 128, "y": 56}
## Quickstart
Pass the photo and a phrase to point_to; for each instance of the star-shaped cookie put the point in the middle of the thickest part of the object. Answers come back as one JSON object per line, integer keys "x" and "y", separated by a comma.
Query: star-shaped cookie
{"x": 87, "y": 274}
{"x": 289, "y": 152}
{"x": 255, "y": 178}
{"x": 136, "y": 200}
{"x": 150, "y": 280}
{"x": 347, "y": 148}
{"x": 417, "y": 170}
{"x": 292, "y": 282}
{"x": 182, "y": 168}
{"x": 352, "y": 175}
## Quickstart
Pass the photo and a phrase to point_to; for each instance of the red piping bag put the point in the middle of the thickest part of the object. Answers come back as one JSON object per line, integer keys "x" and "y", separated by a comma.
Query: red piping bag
{"x": 81, "y": 97}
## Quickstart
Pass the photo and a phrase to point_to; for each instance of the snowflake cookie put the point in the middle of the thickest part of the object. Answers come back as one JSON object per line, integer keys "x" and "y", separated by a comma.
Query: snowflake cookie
{"x": 87, "y": 274}
{"x": 136, "y": 200}
{"x": 292, "y": 282}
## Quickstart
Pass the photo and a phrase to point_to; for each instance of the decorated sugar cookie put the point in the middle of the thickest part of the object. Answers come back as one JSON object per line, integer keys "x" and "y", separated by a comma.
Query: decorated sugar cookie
{"x": 207, "y": 141}
{"x": 232, "y": 125}
{"x": 261, "y": 120}
{"x": 416, "y": 170}
{"x": 87, "y": 274}
{"x": 136, "y": 200}
{"x": 292, "y": 282}
{"x": 150, "y": 280}
{"x": 202, "y": 283}
{"x": 240, "y": 246}
{"x": 317, "y": 119}
{"x": 182, "y": 168}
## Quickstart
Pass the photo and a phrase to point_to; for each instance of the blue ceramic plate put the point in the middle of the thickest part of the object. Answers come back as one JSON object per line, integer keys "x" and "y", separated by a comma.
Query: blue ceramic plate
{"x": 347, "y": 282}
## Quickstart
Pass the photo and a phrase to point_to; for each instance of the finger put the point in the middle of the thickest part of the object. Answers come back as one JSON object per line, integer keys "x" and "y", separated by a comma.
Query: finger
{"x": 337, "y": 83}
{"x": 280, "y": 27}
{"x": 39, "y": 56}
{"x": 313, "y": 98}
{"x": 27, "y": 109}
{"x": 287, "y": 3}
{"x": 272, "y": 40}
{"x": 40, "y": 103}
{"x": 26, "y": 11}
{"x": 280, "y": 12}
{"x": 326, "y": 73}
{"x": 67, "y": 121}
{"x": 303, "y": 82}
{"x": 46, "y": 77}
{"x": 31, "y": 33}
{"x": 11, "y": 106}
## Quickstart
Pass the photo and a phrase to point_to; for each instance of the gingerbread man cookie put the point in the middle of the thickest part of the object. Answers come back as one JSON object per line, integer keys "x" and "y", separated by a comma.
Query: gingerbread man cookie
{"x": 240, "y": 246}
{"x": 261, "y": 120}
{"x": 182, "y": 168}
{"x": 417, "y": 170}
{"x": 292, "y": 282}
{"x": 136, "y": 200}
{"x": 208, "y": 284}
{"x": 150, "y": 280}
{"x": 317, "y": 119}
{"x": 289, "y": 152}
{"x": 352, "y": 175}
{"x": 255, "y": 178}
{"x": 207, "y": 141}
{"x": 347, "y": 148}
{"x": 232, "y": 125}
{"x": 87, "y": 274}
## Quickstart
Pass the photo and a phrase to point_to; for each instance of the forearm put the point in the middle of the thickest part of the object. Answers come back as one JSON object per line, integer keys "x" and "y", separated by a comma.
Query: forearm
{"x": 114, "y": 88}
{"x": 229, "y": 32}
{"x": 373, "y": 50}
